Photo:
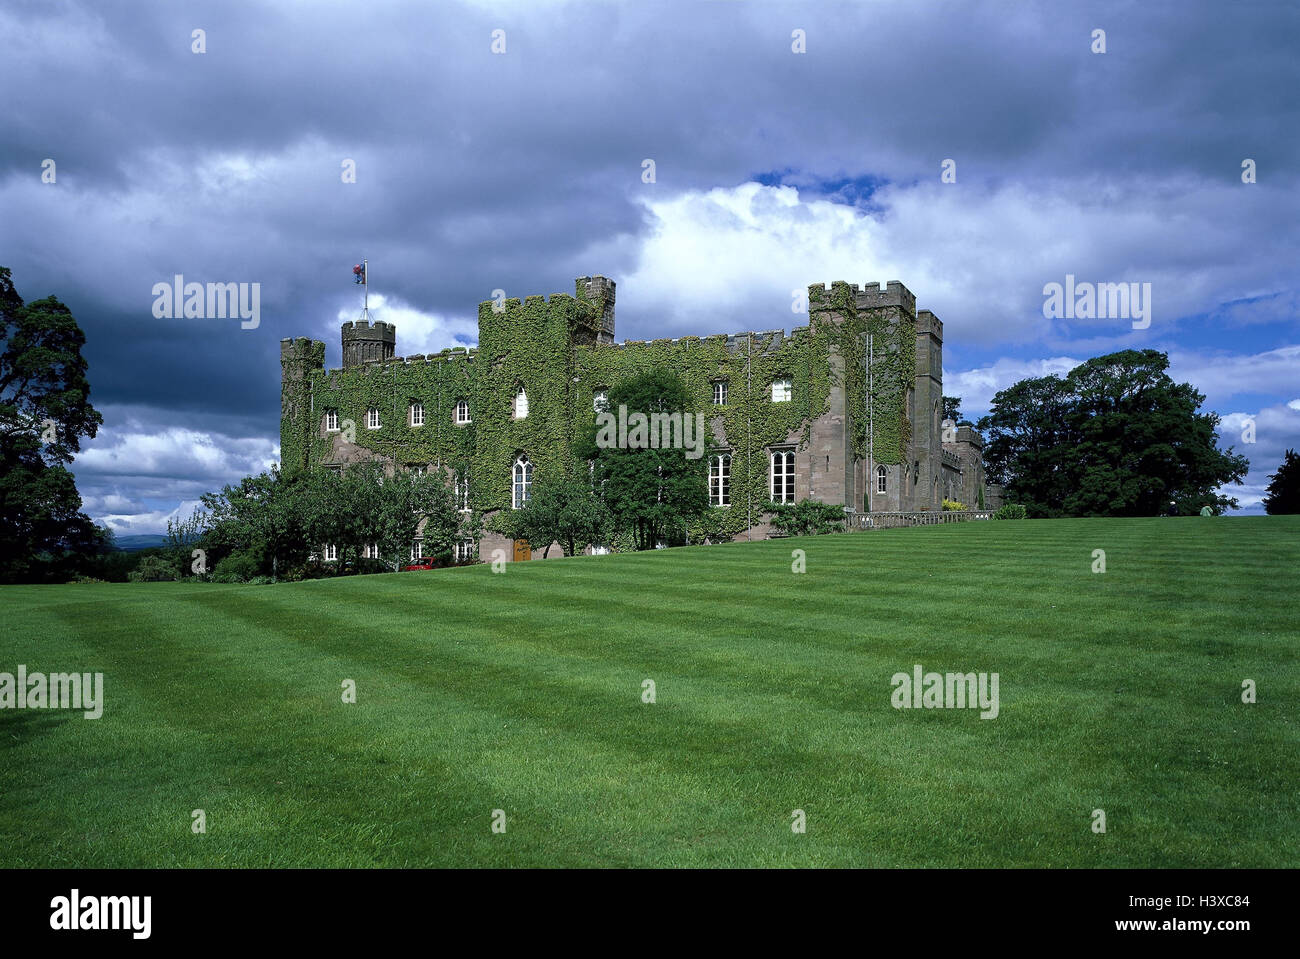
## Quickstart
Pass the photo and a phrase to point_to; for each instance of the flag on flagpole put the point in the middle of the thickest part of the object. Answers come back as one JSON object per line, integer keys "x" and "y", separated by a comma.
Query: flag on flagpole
{"x": 359, "y": 273}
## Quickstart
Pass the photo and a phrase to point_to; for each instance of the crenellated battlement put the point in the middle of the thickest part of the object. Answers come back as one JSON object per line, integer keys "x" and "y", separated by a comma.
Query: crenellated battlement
{"x": 928, "y": 323}
{"x": 362, "y": 326}
{"x": 869, "y": 296}
{"x": 765, "y": 342}
{"x": 364, "y": 341}
{"x": 450, "y": 354}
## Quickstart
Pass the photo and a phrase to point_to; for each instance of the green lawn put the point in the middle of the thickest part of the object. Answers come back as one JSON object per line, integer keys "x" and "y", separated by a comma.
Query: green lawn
{"x": 523, "y": 692}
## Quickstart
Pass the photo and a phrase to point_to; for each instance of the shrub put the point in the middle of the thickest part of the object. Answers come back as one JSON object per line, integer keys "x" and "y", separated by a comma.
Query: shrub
{"x": 808, "y": 518}
{"x": 154, "y": 569}
{"x": 239, "y": 567}
{"x": 1010, "y": 511}
{"x": 951, "y": 505}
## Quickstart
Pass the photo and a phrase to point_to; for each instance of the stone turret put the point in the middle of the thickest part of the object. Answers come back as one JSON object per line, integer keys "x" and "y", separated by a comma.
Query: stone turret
{"x": 364, "y": 341}
{"x": 299, "y": 358}
{"x": 600, "y": 291}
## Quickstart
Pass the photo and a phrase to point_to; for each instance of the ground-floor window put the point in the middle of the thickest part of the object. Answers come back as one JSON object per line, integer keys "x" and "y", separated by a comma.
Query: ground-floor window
{"x": 464, "y": 550}
{"x": 720, "y": 480}
{"x": 782, "y": 480}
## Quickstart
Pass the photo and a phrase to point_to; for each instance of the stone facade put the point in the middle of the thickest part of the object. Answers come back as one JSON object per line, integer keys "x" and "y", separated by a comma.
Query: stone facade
{"x": 844, "y": 452}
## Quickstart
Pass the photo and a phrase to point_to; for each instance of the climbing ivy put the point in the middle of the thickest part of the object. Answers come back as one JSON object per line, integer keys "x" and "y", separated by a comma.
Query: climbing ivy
{"x": 893, "y": 355}
{"x": 549, "y": 348}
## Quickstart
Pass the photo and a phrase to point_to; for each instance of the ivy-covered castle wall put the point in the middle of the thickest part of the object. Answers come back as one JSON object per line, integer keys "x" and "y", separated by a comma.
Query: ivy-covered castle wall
{"x": 866, "y": 388}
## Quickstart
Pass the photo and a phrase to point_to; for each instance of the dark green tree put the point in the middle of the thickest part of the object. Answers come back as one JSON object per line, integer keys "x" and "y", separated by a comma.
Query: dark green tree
{"x": 1115, "y": 437}
{"x": 403, "y": 501}
{"x": 563, "y": 509}
{"x": 45, "y": 410}
{"x": 952, "y": 408}
{"x": 651, "y": 493}
{"x": 1283, "y": 493}
{"x": 267, "y": 517}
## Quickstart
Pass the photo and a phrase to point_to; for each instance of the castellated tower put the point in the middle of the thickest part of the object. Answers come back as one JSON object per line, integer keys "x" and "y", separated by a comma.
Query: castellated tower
{"x": 298, "y": 359}
{"x": 363, "y": 341}
{"x": 927, "y": 412}
{"x": 600, "y": 291}
{"x": 968, "y": 447}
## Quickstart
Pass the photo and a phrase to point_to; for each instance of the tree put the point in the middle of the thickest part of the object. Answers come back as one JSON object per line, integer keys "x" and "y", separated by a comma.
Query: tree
{"x": 403, "y": 501}
{"x": 952, "y": 408}
{"x": 563, "y": 509}
{"x": 1283, "y": 494}
{"x": 265, "y": 516}
{"x": 1115, "y": 437}
{"x": 652, "y": 493}
{"x": 45, "y": 410}
{"x": 183, "y": 536}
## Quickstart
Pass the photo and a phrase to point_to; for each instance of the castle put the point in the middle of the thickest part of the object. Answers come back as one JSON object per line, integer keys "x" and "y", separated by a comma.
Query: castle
{"x": 846, "y": 410}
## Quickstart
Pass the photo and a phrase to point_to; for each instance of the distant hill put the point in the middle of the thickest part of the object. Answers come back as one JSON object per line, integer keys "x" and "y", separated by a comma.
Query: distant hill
{"x": 129, "y": 544}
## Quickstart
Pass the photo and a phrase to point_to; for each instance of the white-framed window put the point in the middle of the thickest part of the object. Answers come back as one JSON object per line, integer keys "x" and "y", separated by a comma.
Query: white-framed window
{"x": 523, "y": 482}
{"x": 720, "y": 480}
{"x": 599, "y": 550}
{"x": 462, "y": 412}
{"x": 464, "y": 550}
{"x": 331, "y": 553}
{"x": 370, "y": 551}
{"x": 419, "y": 471}
{"x": 781, "y": 391}
{"x": 332, "y": 421}
{"x": 521, "y": 405}
{"x": 600, "y": 401}
{"x": 372, "y": 418}
{"x": 415, "y": 551}
{"x": 719, "y": 392}
{"x": 417, "y": 414}
{"x": 882, "y": 480}
{"x": 782, "y": 479}
{"x": 461, "y": 492}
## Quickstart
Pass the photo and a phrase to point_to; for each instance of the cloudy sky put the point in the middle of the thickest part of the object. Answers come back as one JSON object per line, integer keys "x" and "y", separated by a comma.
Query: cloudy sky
{"x": 521, "y": 170}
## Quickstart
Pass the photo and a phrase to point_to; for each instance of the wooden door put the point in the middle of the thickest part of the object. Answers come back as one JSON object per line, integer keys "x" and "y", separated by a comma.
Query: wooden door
{"x": 522, "y": 550}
